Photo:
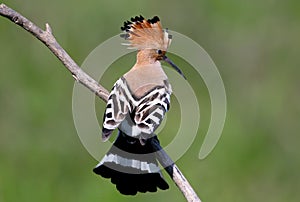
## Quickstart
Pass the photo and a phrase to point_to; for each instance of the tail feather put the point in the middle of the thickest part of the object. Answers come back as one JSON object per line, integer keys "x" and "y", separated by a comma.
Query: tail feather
{"x": 132, "y": 167}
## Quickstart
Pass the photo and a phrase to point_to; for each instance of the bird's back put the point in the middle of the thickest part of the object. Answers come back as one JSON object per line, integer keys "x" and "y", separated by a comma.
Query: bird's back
{"x": 144, "y": 78}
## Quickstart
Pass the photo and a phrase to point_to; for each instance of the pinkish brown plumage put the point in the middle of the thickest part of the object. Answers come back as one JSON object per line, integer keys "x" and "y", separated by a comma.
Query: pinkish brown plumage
{"x": 136, "y": 106}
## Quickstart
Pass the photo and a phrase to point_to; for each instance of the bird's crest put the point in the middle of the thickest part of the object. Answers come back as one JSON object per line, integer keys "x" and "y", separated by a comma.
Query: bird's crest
{"x": 146, "y": 34}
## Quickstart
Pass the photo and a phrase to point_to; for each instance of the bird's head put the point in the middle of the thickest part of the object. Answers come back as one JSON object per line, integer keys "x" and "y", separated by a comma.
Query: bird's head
{"x": 148, "y": 37}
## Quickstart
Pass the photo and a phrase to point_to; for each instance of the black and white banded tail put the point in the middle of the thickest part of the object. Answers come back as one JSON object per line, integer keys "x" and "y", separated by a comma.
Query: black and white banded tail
{"x": 131, "y": 166}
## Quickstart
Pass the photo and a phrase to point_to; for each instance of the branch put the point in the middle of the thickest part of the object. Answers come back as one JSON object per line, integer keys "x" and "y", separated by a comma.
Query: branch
{"x": 49, "y": 40}
{"x": 174, "y": 173}
{"x": 80, "y": 76}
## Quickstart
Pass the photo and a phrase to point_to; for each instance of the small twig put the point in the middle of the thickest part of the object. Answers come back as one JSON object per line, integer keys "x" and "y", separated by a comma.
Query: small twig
{"x": 80, "y": 76}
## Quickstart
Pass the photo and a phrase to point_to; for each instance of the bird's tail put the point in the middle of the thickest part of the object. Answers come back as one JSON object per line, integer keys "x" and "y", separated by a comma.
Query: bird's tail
{"x": 132, "y": 166}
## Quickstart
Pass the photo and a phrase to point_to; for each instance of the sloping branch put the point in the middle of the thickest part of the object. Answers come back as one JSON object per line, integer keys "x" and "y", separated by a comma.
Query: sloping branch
{"x": 80, "y": 76}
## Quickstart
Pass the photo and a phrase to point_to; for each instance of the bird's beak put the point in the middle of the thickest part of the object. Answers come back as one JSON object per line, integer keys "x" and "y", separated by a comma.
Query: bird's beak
{"x": 165, "y": 58}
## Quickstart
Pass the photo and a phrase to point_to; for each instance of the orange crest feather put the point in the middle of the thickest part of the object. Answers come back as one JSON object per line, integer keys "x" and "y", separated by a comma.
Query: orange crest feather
{"x": 146, "y": 34}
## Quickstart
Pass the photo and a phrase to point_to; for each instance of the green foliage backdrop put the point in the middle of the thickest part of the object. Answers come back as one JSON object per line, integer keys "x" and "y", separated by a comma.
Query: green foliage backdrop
{"x": 255, "y": 45}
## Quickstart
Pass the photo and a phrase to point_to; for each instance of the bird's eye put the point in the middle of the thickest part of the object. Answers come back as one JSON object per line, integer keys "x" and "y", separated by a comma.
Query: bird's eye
{"x": 159, "y": 52}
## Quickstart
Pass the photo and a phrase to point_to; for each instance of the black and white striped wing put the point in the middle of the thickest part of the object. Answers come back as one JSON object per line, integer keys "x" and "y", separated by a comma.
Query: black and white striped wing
{"x": 138, "y": 117}
{"x": 117, "y": 108}
{"x": 151, "y": 110}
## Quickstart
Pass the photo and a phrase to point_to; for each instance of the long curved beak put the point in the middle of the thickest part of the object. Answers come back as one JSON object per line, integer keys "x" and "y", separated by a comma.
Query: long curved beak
{"x": 165, "y": 58}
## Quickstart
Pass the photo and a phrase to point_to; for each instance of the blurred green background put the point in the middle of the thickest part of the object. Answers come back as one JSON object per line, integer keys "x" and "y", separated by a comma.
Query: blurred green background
{"x": 255, "y": 45}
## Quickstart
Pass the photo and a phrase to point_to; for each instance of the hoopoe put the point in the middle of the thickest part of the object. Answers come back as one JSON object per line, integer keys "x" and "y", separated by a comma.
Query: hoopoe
{"x": 136, "y": 106}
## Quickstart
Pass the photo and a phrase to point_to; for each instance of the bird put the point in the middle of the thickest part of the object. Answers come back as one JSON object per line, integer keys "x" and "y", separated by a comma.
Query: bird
{"x": 136, "y": 107}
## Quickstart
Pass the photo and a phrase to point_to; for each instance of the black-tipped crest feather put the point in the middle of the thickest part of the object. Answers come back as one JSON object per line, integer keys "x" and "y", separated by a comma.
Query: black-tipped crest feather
{"x": 145, "y": 34}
